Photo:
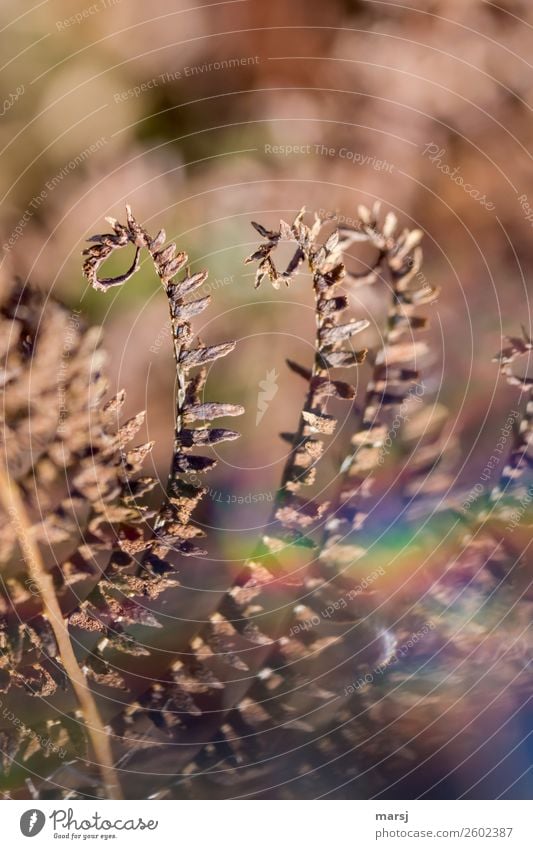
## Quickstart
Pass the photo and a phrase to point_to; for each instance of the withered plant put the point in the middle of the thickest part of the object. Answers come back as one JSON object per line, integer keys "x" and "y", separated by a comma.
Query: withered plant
{"x": 292, "y": 685}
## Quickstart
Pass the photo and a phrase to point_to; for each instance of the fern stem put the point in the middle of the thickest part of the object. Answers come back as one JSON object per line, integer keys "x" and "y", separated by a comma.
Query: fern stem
{"x": 317, "y": 370}
{"x": 11, "y": 500}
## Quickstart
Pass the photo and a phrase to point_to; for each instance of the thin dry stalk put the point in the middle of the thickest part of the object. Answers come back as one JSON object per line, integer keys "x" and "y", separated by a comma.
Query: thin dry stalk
{"x": 98, "y": 735}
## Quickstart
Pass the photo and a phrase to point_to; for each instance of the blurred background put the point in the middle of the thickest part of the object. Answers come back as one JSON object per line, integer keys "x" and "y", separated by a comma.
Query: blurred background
{"x": 205, "y": 118}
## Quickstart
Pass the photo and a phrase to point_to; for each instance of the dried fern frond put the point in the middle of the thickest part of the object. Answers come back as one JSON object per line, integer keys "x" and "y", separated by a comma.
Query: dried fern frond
{"x": 300, "y": 656}
{"x": 521, "y": 456}
{"x": 51, "y": 436}
{"x": 265, "y": 692}
{"x": 100, "y": 539}
{"x": 247, "y": 636}
{"x": 395, "y": 371}
{"x": 289, "y": 719}
{"x": 172, "y": 525}
{"x": 332, "y": 336}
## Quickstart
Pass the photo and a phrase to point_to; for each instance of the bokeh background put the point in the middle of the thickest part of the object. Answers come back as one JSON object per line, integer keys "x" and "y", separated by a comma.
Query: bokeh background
{"x": 206, "y": 117}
